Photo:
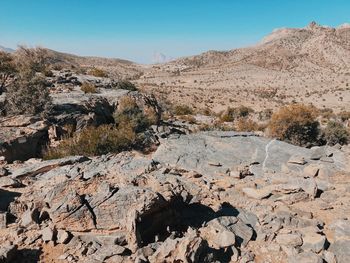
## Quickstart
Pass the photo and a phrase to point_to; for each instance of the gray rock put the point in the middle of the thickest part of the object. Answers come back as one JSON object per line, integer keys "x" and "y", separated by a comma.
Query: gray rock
{"x": 341, "y": 250}
{"x": 62, "y": 236}
{"x": 297, "y": 159}
{"x": 311, "y": 170}
{"x": 257, "y": 193}
{"x": 289, "y": 240}
{"x": 30, "y": 216}
{"x": 305, "y": 257}
{"x": 47, "y": 234}
{"x": 313, "y": 242}
{"x": 341, "y": 229}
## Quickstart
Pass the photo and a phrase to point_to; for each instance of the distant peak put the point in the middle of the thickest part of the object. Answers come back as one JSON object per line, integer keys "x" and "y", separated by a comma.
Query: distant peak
{"x": 313, "y": 25}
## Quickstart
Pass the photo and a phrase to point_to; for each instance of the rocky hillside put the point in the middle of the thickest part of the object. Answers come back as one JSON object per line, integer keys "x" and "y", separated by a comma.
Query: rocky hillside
{"x": 206, "y": 197}
{"x": 310, "y": 65}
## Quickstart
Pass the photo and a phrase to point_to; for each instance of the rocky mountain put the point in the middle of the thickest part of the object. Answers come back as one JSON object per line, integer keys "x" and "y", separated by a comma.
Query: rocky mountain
{"x": 182, "y": 189}
{"x": 9, "y": 50}
{"x": 309, "y": 65}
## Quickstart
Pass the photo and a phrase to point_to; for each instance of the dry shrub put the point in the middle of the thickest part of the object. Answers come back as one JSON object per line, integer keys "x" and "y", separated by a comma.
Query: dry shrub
{"x": 27, "y": 96}
{"x": 296, "y": 124}
{"x": 94, "y": 141}
{"x": 87, "y": 87}
{"x": 129, "y": 113}
{"x": 244, "y": 124}
{"x": 344, "y": 115}
{"x": 98, "y": 73}
{"x": 127, "y": 85}
{"x": 327, "y": 113}
{"x": 336, "y": 132}
{"x": 182, "y": 110}
{"x": 231, "y": 114}
{"x": 7, "y": 68}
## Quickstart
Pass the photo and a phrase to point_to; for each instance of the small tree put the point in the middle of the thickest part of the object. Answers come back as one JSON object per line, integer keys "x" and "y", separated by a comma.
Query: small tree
{"x": 295, "y": 123}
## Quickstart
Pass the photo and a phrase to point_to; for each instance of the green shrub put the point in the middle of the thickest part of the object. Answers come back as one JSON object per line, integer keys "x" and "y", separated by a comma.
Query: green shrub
{"x": 127, "y": 85}
{"x": 95, "y": 141}
{"x": 98, "y": 73}
{"x": 128, "y": 113}
{"x": 182, "y": 110}
{"x": 296, "y": 124}
{"x": 27, "y": 96}
{"x": 87, "y": 87}
{"x": 336, "y": 132}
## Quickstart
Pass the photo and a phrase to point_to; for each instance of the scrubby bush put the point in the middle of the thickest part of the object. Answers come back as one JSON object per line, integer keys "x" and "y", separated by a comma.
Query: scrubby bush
{"x": 336, "y": 132}
{"x": 30, "y": 61}
{"x": 94, "y": 141}
{"x": 7, "y": 68}
{"x": 244, "y": 124}
{"x": 326, "y": 113}
{"x": 128, "y": 113}
{"x": 231, "y": 114}
{"x": 296, "y": 124}
{"x": 344, "y": 115}
{"x": 27, "y": 96}
{"x": 98, "y": 73}
{"x": 182, "y": 110}
{"x": 87, "y": 87}
{"x": 265, "y": 114}
{"x": 127, "y": 85}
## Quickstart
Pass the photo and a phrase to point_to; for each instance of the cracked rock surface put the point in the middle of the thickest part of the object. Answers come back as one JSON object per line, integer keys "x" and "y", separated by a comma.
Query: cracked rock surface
{"x": 205, "y": 197}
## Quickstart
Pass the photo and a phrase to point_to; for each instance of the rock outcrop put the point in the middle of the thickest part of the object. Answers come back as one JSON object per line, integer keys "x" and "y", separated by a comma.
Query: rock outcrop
{"x": 182, "y": 203}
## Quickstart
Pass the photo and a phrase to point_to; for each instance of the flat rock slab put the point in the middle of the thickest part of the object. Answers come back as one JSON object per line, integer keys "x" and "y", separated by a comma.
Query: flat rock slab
{"x": 199, "y": 151}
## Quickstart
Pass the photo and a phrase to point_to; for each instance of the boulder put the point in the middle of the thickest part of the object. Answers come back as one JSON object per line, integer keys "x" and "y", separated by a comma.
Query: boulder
{"x": 340, "y": 249}
{"x": 313, "y": 242}
{"x": 305, "y": 257}
{"x": 289, "y": 240}
{"x": 22, "y": 137}
{"x": 186, "y": 249}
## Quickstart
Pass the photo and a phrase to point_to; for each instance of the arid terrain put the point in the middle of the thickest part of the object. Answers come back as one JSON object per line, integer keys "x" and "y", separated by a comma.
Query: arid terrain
{"x": 231, "y": 156}
{"x": 309, "y": 65}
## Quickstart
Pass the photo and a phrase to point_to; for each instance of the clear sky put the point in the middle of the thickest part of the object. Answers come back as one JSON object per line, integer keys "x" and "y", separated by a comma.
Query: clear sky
{"x": 135, "y": 29}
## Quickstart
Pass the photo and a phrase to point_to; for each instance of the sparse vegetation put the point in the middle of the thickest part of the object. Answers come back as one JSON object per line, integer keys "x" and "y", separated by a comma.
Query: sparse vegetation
{"x": 7, "y": 68}
{"x": 296, "y": 124}
{"x": 182, "y": 110}
{"x": 96, "y": 72}
{"x": 127, "y": 85}
{"x": 87, "y": 87}
{"x": 244, "y": 124}
{"x": 232, "y": 114}
{"x": 95, "y": 141}
{"x": 336, "y": 133}
{"x": 27, "y": 96}
{"x": 344, "y": 115}
{"x": 129, "y": 114}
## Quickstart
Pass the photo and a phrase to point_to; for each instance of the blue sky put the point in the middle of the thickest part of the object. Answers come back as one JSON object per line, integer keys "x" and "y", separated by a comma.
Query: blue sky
{"x": 135, "y": 29}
